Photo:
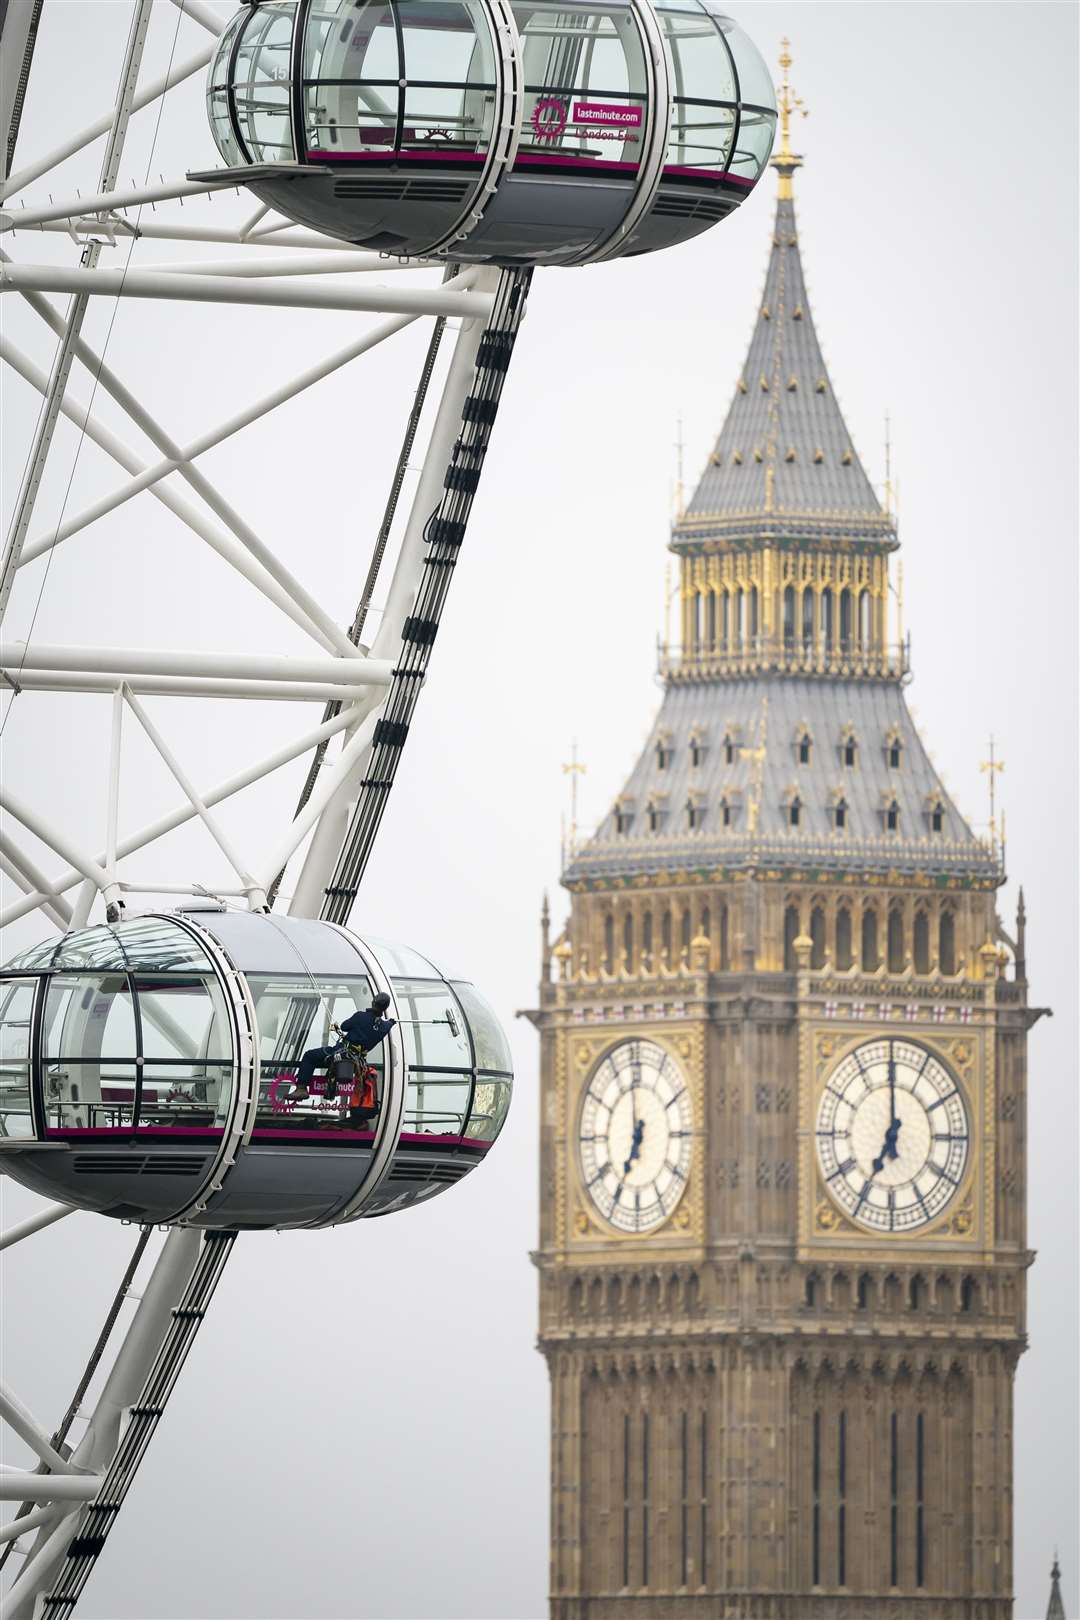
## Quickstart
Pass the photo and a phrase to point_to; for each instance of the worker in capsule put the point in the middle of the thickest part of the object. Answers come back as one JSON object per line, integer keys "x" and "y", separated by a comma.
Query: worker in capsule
{"x": 360, "y": 1033}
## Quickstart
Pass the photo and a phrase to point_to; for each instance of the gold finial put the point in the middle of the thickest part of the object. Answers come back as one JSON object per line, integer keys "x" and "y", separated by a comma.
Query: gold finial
{"x": 573, "y": 770}
{"x": 787, "y": 103}
{"x": 992, "y": 766}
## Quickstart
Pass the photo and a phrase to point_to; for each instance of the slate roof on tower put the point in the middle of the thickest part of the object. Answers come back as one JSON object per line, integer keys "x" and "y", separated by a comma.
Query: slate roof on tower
{"x": 784, "y": 457}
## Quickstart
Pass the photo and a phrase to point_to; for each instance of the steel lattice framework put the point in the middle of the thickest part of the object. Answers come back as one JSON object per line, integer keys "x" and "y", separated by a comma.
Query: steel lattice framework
{"x": 368, "y": 693}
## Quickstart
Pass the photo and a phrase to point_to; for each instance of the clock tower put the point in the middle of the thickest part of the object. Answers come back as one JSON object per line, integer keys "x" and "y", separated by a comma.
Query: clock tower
{"x": 783, "y": 1085}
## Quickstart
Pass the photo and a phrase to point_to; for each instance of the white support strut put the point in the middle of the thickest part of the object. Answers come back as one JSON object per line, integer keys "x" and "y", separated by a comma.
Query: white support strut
{"x": 231, "y": 290}
{"x": 65, "y": 354}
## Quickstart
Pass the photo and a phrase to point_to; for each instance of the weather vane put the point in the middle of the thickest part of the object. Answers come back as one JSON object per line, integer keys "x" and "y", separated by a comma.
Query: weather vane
{"x": 992, "y": 766}
{"x": 787, "y": 104}
{"x": 573, "y": 770}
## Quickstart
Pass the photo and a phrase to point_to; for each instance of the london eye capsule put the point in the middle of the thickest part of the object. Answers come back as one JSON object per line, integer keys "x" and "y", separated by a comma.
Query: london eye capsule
{"x": 148, "y": 1071}
{"x": 510, "y": 132}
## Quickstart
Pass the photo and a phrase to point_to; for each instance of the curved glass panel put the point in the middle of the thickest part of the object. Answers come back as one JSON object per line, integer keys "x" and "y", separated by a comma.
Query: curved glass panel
{"x": 704, "y": 91}
{"x": 491, "y": 1046}
{"x": 585, "y": 101}
{"x": 755, "y": 80}
{"x": 403, "y": 960}
{"x": 90, "y": 1047}
{"x": 262, "y": 84}
{"x": 155, "y": 943}
{"x": 754, "y": 142}
{"x": 436, "y": 1104}
{"x": 416, "y": 77}
{"x": 35, "y": 956}
{"x": 432, "y": 1025}
{"x": 296, "y": 1048}
{"x": 217, "y": 93}
{"x": 91, "y": 947}
{"x": 490, "y": 1103}
{"x": 16, "y": 1018}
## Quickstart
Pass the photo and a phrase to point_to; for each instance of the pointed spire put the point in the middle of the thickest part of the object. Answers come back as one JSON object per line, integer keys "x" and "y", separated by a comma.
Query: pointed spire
{"x": 1056, "y": 1607}
{"x": 784, "y": 460}
{"x": 1020, "y": 971}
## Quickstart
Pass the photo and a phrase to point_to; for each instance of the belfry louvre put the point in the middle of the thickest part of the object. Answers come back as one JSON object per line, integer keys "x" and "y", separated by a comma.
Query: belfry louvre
{"x": 783, "y": 1069}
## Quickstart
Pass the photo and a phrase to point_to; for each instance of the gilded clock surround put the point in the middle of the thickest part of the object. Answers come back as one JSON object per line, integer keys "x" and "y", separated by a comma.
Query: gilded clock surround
{"x": 761, "y": 1409}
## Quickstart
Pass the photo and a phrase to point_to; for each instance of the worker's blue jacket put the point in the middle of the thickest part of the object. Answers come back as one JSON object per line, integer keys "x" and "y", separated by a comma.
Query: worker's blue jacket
{"x": 364, "y": 1029}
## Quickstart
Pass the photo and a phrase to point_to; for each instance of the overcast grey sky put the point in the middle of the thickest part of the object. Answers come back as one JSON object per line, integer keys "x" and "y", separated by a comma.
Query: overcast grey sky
{"x": 362, "y": 1428}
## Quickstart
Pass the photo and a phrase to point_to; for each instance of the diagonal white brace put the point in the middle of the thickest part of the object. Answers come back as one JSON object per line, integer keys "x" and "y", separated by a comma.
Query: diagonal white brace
{"x": 188, "y": 514}
{"x": 234, "y": 784}
{"x": 255, "y": 892}
{"x": 107, "y": 379}
{"x": 36, "y": 1223}
{"x": 23, "y": 1423}
{"x": 157, "y": 87}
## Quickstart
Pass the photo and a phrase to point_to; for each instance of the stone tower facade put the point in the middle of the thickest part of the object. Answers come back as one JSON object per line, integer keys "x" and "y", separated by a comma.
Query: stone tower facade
{"x": 783, "y": 1066}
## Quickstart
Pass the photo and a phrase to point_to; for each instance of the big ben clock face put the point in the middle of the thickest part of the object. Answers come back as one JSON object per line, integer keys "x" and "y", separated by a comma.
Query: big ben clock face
{"x": 892, "y": 1135}
{"x": 635, "y": 1136}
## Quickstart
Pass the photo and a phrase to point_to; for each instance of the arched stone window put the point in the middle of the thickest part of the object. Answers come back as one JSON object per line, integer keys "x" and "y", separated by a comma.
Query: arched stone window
{"x": 849, "y": 747}
{"x": 791, "y": 934}
{"x": 870, "y": 955}
{"x": 705, "y": 922}
{"x": 665, "y": 752}
{"x": 725, "y": 618}
{"x": 685, "y": 932}
{"x": 665, "y": 935}
{"x": 817, "y": 937}
{"x": 917, "y": 1292}
{"x": 862, "y": 1294}
{"x": 968, "y": 1294}
{"x": 609, "y": 943}
{"x": 725, "y": 949}
{"x": 727, "y": 813}
{"x": 794, "y": 810}
{"x": 845, "y": 620}
{"x": 697, "y": 750}
{"x": 840, "y": 814}
{"x": 628, "y": 939}
{"x": 844, "y": 957}
{"x": 894, "y": 749}
{"x": 827, "y": 627}
{"x": 710, "y": 622}
{"x": 647, "y": 934}
{"x": 804, "y": 745}
{"x": 921, "y": 942}
{"x": 864, "y": 619}
{"x": 808, "y": 619}
{"x": 755, "y": 619}
{"x": 789, "y": 615}
{"x": 892, "y": 816}
{"x": 730, "y": 748}
{"x": 810, "y": 1290}
{"x": 699, "y": 618}
{"x": 740, "y": 616}
{"x": 624, "y": 818}
{"x": 895, "y": 941}
{"x": 947, "y": 941}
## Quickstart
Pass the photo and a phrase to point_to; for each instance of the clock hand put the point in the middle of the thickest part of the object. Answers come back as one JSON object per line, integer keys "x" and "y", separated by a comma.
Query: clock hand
{"x": 635, "y": 1146}
{"x": 888, "y": 1147}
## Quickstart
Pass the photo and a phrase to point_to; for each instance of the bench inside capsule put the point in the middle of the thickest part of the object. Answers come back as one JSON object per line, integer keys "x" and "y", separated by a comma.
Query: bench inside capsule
{"x": 148, "y": 1070}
